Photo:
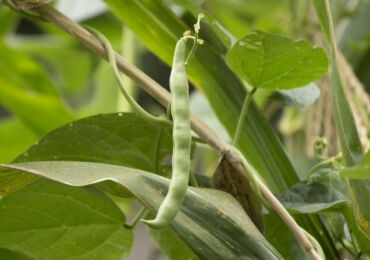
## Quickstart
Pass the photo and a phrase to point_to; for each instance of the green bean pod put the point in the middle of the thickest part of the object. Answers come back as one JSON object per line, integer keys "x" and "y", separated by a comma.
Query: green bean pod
{"x": 181, "y": 132}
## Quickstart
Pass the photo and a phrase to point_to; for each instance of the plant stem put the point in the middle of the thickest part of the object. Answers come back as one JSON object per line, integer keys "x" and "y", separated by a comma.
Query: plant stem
{"x": 163, "y": 97}
{"x": 143, "y": 211}
{"x": 320, "y": 164}
{"x": 196, "y": 38}
{"x": 289, "y": 221}
{"x": 129, "y": 50}
{"x": 247, "y": 101}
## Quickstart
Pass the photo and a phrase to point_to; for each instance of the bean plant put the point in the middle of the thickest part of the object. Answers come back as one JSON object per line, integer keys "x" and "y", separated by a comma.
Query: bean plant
{"x": 220, "y": 129}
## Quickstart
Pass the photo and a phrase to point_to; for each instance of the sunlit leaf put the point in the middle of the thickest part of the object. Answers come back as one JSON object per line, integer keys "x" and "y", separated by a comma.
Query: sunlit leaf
{"x": 271, "y": 61}
{"x": 122, "y": 139}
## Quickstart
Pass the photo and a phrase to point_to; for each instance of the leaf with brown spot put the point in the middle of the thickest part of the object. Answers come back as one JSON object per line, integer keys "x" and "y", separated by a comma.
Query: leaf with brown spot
{"x": 229, "y": 179}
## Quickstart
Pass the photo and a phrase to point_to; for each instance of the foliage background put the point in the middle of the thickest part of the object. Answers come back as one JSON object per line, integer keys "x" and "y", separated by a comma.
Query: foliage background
{"x": 61, "y": 81}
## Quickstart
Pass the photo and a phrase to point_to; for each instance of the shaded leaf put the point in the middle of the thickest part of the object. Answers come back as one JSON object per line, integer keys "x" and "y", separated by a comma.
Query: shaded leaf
{"x": 298, "y": 97}
{"x": 47, "y": 220}
{"x": 211, "y": 222}
{"x": 312, "y": 198}
{"x": 11, "y": 255}
{"x": 271, "y": 61}
{"x": 119, "y": 138}
{"x": 122, "y": 139}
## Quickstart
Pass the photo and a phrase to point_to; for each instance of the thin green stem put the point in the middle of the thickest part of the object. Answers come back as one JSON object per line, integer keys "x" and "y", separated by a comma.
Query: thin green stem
{"x": 243, "y": 113}
{"x": 196, "y": 40}
{"x": 320, "y": 164}
{"x": 141, "y": 214}
{"x": 113, "y": 63}
{"x": 129, "y": 50}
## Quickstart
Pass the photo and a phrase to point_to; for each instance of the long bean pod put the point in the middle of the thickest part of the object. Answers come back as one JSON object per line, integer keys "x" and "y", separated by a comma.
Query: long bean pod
{"x": 181, "y": 140}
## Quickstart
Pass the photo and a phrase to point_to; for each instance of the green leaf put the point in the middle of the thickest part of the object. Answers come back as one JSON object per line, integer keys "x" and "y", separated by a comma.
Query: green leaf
{"x": 211, "y": 222}
{"x": 47, "y": 220}
{"x": 350, "y": 143}
{"x": 279, "y": 235}
{"x": 312, "y": 198}
{"x": 159, "y": 29}
{"x": 172, "y": 245}
{"x": 271, "y": 61}
{"x": 122, "y": 139}
{"x": 298, "y": 97}
{"x": 7, "y": 254}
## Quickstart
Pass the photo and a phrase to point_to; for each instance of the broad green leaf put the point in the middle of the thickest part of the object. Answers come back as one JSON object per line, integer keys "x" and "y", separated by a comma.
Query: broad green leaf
{"x": 298, "y": 97}
{"x": 271, "y": 61}
{"x": 280, "y": 237}
{"x": 47, "y": 220}
{"x": 172, "y": 245}
{"x": 312, "y": 198}
{"x": 11, "y": 255}
{"x": 121, "y": 139}
{"x": 211, "y": 222}
{"x": 159, "y": 29}
{"x": 15, "y": 138}
{"x": 350, "y": 143}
